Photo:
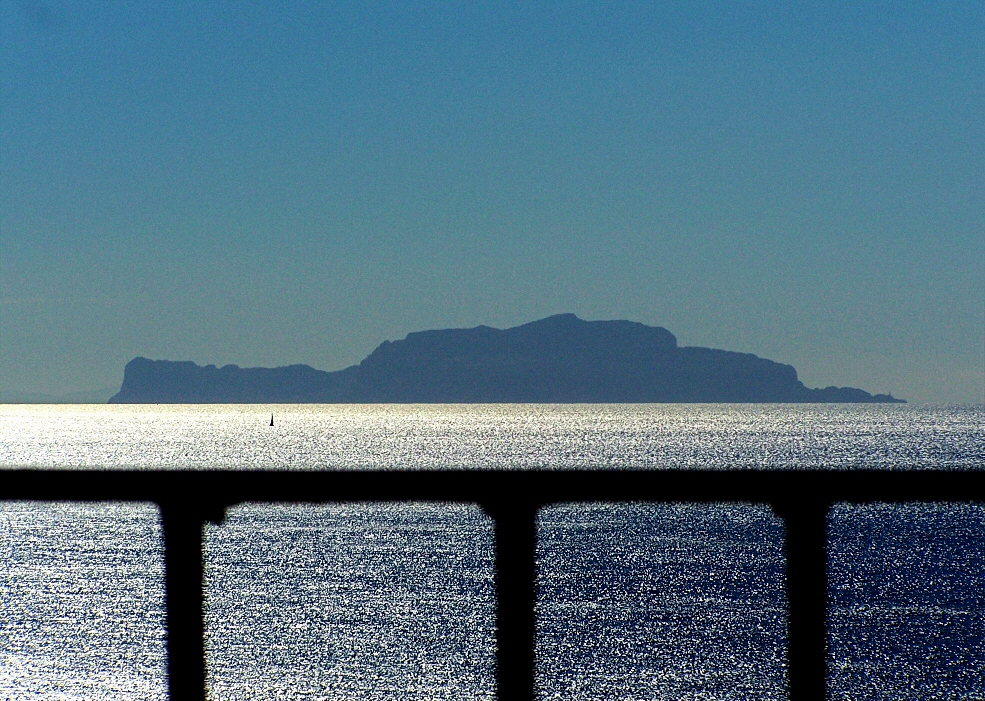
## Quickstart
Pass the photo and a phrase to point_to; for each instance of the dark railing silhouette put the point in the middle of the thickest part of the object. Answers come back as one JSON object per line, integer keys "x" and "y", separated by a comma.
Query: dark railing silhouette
{"x": 189, "y": 499}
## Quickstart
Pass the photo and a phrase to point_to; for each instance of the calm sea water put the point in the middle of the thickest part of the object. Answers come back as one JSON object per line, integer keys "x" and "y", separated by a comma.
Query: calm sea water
{"x": 396, "y": 601}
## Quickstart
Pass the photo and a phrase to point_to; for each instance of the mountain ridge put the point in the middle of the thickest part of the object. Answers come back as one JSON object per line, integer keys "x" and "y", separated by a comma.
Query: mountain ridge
{"x": 559, "y": 359}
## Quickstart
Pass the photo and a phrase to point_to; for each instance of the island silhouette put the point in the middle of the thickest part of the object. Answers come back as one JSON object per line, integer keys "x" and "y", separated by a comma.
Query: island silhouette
{"x": 560, "y": 359}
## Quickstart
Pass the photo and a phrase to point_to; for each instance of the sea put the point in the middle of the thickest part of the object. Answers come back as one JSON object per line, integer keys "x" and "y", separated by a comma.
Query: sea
{"x": 396, "y": 600}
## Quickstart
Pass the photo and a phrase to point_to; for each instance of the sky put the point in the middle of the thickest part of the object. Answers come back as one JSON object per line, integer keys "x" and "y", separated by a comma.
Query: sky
{"x": 267, "y": 183}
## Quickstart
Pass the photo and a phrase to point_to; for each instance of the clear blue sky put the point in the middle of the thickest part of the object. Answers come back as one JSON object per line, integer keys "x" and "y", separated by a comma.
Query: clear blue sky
{"x": 265, "y": 183}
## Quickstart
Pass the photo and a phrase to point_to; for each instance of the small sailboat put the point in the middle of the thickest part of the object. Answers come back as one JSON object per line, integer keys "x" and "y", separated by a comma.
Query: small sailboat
{"x": 271, "y": 419}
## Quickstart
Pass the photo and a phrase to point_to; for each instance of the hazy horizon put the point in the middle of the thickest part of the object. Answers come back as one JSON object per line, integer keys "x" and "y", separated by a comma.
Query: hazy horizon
{"x": 267, "y": 184}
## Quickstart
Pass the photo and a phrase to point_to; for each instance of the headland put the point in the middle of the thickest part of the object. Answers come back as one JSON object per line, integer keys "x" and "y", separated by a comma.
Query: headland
{"x": 560, "y": 359}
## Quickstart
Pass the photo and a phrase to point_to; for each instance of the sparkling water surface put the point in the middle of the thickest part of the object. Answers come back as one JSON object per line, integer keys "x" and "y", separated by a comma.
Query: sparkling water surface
{"x": 493, "y": 436}
{"x": 396, "y": 601}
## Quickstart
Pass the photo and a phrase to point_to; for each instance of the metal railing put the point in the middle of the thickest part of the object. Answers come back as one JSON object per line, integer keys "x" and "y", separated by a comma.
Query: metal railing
{"x": 189, "y": 499}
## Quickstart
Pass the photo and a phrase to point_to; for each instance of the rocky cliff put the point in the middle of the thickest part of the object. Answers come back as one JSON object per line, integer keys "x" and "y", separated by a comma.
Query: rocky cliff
{"x": 558, "y": 359}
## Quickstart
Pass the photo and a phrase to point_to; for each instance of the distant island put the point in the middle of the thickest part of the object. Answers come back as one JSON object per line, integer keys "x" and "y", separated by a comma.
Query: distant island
{"x": 558, "y": 359}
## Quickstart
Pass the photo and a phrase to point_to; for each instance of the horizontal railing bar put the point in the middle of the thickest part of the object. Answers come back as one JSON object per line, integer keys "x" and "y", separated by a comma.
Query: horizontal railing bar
{"x": 540, "y": 486}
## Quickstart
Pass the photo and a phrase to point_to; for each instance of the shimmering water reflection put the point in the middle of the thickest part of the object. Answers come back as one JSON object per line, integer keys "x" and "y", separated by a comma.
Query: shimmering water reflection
{"x": 676, "y": 601}
{"x": 396, "y": 601}
{"x": 493, "y": 436}
{"x": 82, "y": 602}
{"x": 906, "y": 616}
{"x": 361, "y": 601}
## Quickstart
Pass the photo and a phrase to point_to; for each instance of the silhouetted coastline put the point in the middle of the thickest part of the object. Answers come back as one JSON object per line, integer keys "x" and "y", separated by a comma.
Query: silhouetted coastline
{"x": 560, "y": 359}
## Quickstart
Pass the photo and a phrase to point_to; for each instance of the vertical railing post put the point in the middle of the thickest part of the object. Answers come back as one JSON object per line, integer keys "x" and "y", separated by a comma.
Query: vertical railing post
{"x": 807, "y": 597}
{"x": 516, "y": 622}
{"x": 185, "y": 597}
